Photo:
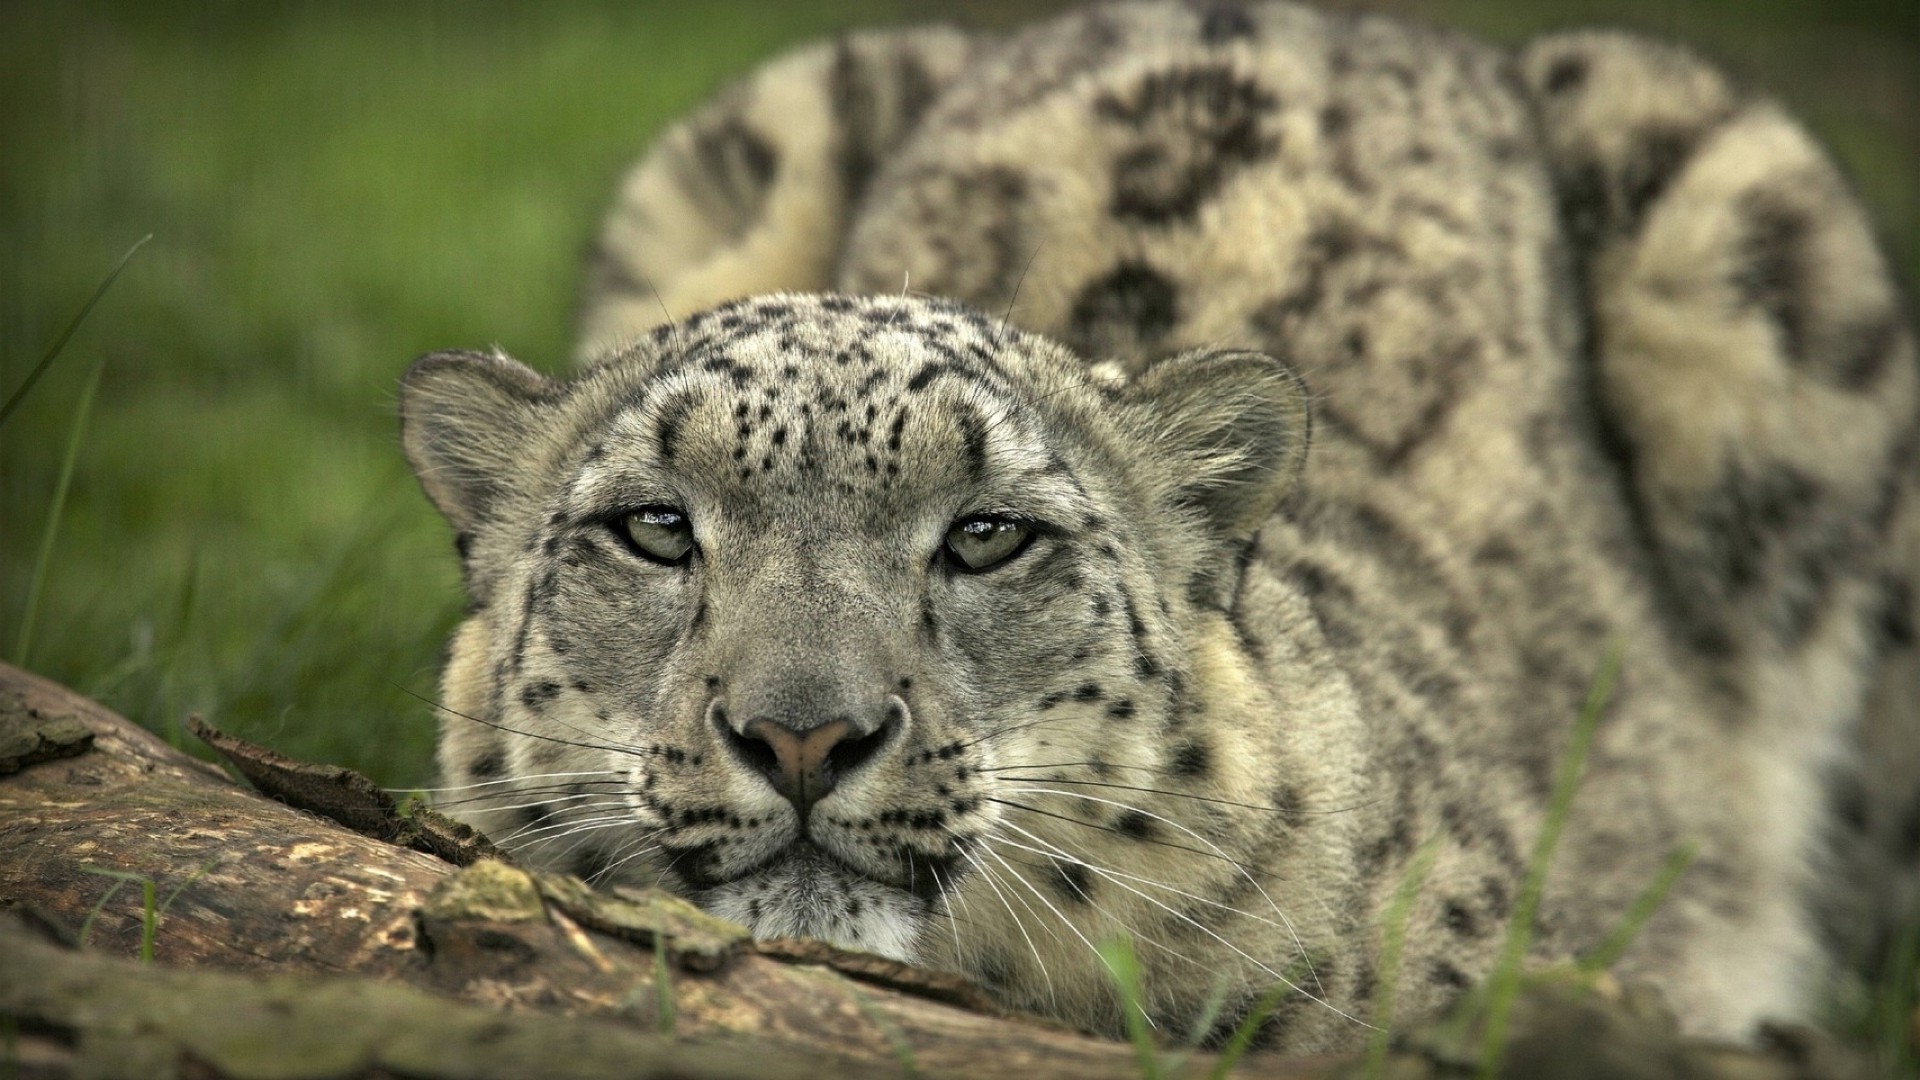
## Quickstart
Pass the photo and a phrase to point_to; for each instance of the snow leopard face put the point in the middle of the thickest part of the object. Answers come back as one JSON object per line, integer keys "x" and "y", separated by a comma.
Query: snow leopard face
{"x": 833, "y": 613}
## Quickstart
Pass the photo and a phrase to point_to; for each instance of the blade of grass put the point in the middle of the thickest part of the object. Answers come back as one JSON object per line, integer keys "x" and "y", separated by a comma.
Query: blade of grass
{"x": 149, "y": 920}
{"x": 1644, "y": 905}
{"x": 182, "y": 887}
{"x": 1893, "y": 1014}
{"x": 23, "y": 644}
{"x": 178, "y": 644}
{"x": 1241, "y": 1040}
{"x": 1209, "y": 1013}
{"x": 1504, "y": 985}
{"x": 86, "y": 925}
{"x": 1117, "y": 953}
{"x": 1394, "y": 940}
{"x": 149, "y": 908}
{"x": 667, "y": 1016}
{"x": 20, "y": 394}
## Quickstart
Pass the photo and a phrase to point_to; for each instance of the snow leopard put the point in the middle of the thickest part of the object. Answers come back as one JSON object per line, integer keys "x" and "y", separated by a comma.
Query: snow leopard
{"x": 1177, "y": 472}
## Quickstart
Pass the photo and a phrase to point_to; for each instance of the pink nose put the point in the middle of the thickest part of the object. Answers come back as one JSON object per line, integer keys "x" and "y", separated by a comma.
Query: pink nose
{"x": 803, "y": 760}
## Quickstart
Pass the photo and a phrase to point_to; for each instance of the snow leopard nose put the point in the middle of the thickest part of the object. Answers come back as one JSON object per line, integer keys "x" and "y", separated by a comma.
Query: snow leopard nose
{"x": 803, "y": 765}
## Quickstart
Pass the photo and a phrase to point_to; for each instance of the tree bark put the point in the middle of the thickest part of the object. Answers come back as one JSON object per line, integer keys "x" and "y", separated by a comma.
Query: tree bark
{"x": 254, "y": 886}
{"x": 283, "y": 944}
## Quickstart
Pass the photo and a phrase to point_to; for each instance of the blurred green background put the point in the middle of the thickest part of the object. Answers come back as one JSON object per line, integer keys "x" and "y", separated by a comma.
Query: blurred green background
{"x": 334, "y": 189}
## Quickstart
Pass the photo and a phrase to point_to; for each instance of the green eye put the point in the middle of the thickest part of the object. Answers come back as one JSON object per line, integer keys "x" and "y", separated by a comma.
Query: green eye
{"x": 660, "y": 533}
{"x": 981, "y": 543}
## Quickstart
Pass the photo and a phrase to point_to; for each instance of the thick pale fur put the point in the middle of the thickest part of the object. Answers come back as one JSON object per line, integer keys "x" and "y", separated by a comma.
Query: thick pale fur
{"x": 1601, "y": 352}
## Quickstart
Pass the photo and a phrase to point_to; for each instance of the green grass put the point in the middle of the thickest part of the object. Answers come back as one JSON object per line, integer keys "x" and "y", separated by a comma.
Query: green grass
{"x": 152, "y": 909}
{"x": 1123, "y": 967}
{"x": 33, "y": 377}
{"x": 56, "y": 510}
{"x": 1504, "y": 985}
{"x": 1393, "y": 937}
{"x": 1882, "y": 1016}
{"x": 1153, "y": 1054}
{"x": 1609, "y": 952}
{"x": 1248, "y": 1029}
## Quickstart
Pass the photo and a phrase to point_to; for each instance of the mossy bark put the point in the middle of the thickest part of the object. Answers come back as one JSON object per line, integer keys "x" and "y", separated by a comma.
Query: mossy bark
{"x": 260, "y": 887}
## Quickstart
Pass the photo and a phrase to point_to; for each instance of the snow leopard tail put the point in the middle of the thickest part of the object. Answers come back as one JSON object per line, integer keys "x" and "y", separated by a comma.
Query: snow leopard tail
{"x": 1754, "y": 369}
{"x": 751, "y": 193}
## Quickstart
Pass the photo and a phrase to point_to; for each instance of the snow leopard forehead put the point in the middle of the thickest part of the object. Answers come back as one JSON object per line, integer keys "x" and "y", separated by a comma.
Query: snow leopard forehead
{"x": 854, "y": 409}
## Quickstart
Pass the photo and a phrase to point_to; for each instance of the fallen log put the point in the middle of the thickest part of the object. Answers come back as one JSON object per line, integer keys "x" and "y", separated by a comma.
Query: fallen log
{"x": 281, "y": 943}
{"x": 254, "y": 886}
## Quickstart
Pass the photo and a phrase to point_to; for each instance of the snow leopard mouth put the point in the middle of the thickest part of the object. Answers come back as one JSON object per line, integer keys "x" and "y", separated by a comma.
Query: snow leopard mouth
{"x": 805, "y": 891}
{"x": 925, "y": 878}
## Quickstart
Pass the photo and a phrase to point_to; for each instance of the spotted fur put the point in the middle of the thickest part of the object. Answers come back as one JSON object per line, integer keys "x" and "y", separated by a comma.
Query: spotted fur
{"x": 1601, "y": 351}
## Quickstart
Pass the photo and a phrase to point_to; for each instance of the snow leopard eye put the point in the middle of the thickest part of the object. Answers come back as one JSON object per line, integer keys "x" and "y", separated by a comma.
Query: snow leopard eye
{"x": 981, "y": 543}
{"x": 659, "y": 533}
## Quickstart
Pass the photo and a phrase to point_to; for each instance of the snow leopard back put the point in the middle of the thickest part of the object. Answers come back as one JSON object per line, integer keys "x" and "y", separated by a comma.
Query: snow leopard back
{"x": 1601, "y": 354}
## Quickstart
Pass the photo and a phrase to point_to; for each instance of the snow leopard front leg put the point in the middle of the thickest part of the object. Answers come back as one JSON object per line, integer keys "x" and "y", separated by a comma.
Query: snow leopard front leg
{"x": 752, "y": 191}
{"x": 1753, "y": 367}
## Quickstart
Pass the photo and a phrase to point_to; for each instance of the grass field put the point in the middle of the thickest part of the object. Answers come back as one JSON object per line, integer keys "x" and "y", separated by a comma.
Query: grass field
{"x": 335, "y": 189}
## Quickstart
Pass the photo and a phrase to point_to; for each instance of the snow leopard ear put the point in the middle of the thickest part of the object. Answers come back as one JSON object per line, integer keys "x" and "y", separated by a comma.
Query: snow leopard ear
{"x": 465, "y": 422}
{"x": 1237, "y": 422}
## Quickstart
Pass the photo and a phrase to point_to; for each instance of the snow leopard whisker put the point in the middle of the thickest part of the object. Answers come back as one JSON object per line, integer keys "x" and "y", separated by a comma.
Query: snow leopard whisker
{"x": 987, "y": 875}
{"x": 1153, "y": 841}
{"x": 1137, "y": 935}
{"x": 1197, "y": 898}
{"x": 1131, "y": 931}
{"x": 987, "y": 845}
{"x": 1035, "y": 399}
{"x": 953, "y": 924}
{"x": 1010, "y": 729}
{"x": 1237, "y": 865}
{"x": 488, "y": 801}
{"x": 1062, "y": 853}
{"x": 507, "y": 780}
{"x": 623, "y": 857}
{"x": 633, "y": 750}
{"x": 1000, "y": 335}
{"x": 1079, "y": 764}
{"x": 1116, "y": 875}
{"x": 1160, "y": 791}
{"x": 497, "y": 726}
{"x": 579, "y": 838}
{"x": 678, "y": 854}
{"x": 527, "y": 833}
{"x": 575, "y": 789}
{"x": 553, "y": 830}
{"x": 575, "y": 803}
{"x": 548, "y": 797}
{"x": 993, "y": 833}
{"x": 565, "y": 817}
{"x": 632, "y": 747}
{"x": 673, "y": 325}
{"x": 1216, "y": 853}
